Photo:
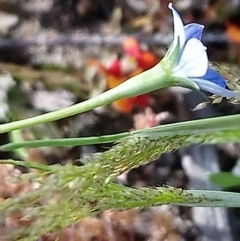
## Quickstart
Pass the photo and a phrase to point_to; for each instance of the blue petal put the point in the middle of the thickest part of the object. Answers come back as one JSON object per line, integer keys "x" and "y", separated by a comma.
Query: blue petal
{"x": 214, "y": 77}
{"x": 193, "y": 30}
{"x": 213, "y": 88}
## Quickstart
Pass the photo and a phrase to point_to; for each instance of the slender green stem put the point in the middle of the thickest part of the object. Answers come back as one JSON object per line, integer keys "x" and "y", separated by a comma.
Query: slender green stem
{"x": 158, "y": 77}
{"x": 65, "y": 142}
{"x": 181, "y": 128}
{"x": 195, "y": 126}
{"x": 151, "y": 80}
{"x": 36, "y": 166}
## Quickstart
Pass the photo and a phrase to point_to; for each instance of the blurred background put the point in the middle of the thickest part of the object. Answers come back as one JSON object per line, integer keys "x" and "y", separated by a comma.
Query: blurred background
{"x": 55, "y": 53}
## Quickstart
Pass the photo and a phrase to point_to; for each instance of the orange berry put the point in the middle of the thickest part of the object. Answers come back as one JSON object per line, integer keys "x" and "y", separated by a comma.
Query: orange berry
{"x": 233, "y": 32}
{"x": 124, "y": 105}
{"x": 147, "y": 60}
{"x": 113, "y": 81}
{"x": 131, "y": 47}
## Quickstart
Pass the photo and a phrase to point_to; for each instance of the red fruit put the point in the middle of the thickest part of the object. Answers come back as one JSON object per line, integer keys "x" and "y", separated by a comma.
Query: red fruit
{"x": 142, "y": 100}
{"x": 114, "y": 68}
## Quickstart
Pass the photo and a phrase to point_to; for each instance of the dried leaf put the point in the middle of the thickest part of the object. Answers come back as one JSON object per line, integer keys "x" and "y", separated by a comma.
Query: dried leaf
{"x": 200, "y": 106}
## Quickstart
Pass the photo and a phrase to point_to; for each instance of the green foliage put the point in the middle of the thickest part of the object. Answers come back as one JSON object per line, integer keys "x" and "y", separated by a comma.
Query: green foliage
{"x": 68, "y": 193}
{"x": 77, "y": 192}
{"x": 225, "y": 179}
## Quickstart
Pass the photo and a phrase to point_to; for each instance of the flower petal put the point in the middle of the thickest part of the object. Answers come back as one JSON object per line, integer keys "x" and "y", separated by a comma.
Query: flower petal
{"x": 178, "y": 26}
{"x": 193, "y": 30}
{"x": 215, "y": 89}
{"x": 193, "y": 61}
{"x": 214, "y": 77}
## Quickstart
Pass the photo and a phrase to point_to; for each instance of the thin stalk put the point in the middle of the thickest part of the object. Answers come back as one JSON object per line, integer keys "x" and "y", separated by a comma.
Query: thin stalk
{"x": 151, "y": 80}
{"x": 194, "y": 127}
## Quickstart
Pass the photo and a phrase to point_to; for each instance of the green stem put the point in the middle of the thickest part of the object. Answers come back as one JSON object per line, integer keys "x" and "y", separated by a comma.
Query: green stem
{"x": 148, "y": 81}
{"x": 64, "y": 142}
{"x": 36, "y": 166}
{"x": 202, "y": 126}
{"x": 195, "y": 126}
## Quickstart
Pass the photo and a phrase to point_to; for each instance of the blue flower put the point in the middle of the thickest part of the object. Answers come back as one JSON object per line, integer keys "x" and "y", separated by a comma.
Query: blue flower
{"x": 192, "y": 61}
